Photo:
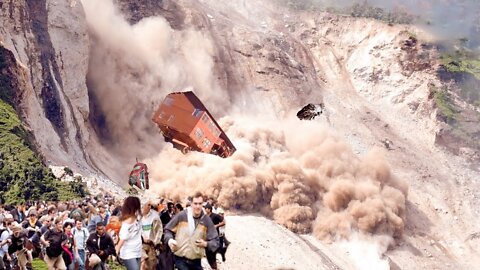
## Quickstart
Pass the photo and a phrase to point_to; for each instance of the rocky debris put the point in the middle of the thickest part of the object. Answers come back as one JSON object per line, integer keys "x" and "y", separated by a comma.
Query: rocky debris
{"x": 409, "y": 43}
{"x": 387, "y": 143}
{"x": 415, "y": 57}
{"x": 310, "y": 111}
{"x": 473, "y": 236}
{"x": 96, "y": 185}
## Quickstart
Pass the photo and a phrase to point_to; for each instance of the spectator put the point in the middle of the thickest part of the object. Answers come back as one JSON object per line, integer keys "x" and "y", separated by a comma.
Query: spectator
{"x": 152, "y": 231}
{"x": 18, "y": 240}
{"x": 18, "y": 213}
{"x": 70, "y": 251}
{"x": 218, "y": 221}
{"x": 53, "y": 240}
{"x": 178, "y": 208}
{"x": 129, "y": 247}
{"x": 167, "y": 213}
{"x": 33, "y": 225}
{"x": 194, "y": 231}
{"x": 113, "y": 228}
{"x": 100, "y": 244}
{"x": 224, "y": 243}
{"x": 4, "y": 235}
{"x": 80, "y": 234}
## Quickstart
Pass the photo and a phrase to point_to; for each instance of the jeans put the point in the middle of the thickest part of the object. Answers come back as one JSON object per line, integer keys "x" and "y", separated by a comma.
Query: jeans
{"x": 81, "y": 262}
{"x": 132, "y": 264}
{"x": 186, "y": 264}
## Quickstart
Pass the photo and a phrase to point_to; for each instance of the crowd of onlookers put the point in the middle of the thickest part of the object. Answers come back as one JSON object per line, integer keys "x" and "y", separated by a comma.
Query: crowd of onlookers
{"x": 86, "y": 234}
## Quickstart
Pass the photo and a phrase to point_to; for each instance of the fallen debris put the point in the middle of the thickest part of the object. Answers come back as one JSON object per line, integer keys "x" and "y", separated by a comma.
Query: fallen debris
{"x": 387, "y": 143}
{"x": 310, "y": 111}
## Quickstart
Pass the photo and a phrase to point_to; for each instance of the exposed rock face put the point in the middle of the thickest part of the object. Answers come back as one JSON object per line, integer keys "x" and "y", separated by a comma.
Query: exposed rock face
{"x": 50, "y": 42}
{"x": 373, "y": 79}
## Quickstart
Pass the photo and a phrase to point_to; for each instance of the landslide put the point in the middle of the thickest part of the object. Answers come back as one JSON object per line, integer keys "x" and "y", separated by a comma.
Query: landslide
{"x": 255, "y": 65}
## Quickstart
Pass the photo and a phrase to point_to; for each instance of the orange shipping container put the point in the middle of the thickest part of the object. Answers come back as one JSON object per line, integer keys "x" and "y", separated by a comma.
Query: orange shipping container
{"x": 186, "y": 122}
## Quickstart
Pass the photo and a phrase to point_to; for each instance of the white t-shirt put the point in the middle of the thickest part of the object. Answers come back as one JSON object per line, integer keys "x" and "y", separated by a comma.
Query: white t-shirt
{"x": 5, "y": 234}
{"x": 147, "y": 222}
{"x": 132, "y": 235}
{"x": 81, "y": 237}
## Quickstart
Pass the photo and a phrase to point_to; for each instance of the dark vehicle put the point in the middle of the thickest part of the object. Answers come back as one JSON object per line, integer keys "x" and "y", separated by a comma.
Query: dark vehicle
{"x": 310, "y": 111}
{"x": 184, "y": 121}
{"x": 139, "y": 176}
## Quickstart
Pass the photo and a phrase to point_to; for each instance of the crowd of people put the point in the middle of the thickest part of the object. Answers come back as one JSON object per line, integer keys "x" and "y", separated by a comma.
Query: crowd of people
{"x": 86, "y": 234}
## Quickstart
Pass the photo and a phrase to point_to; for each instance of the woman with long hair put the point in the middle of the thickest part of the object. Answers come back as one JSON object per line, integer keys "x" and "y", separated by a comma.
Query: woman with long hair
{"x": 129, "y": 247}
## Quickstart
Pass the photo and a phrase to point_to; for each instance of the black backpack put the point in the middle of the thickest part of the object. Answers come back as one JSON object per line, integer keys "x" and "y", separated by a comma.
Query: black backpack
{"x": 2, "y": 230}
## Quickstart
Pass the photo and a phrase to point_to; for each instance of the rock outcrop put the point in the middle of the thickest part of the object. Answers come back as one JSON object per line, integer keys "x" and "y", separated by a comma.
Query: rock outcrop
{"x": 49, "y": 40}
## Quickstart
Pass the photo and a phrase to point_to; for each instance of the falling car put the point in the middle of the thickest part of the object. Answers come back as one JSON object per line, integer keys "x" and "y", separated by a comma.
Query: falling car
{"x": 139, "y": 176}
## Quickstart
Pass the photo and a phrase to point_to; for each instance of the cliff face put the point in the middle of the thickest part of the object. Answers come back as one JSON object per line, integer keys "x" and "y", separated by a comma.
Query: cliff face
{"x": 49, "y": 40}
{"x": 89, "y": 74}
{"x": 246, "y": 53}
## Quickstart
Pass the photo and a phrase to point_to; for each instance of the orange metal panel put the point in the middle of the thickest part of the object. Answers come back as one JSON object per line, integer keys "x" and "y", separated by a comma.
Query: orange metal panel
{"x": 184, "y": 120}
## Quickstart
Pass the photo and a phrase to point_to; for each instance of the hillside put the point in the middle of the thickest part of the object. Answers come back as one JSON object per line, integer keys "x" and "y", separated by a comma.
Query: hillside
{"x": 389, "y": 172}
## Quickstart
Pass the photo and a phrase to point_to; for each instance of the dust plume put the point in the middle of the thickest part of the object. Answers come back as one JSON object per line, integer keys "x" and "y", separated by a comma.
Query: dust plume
{"x": 129, "y": 61}
{"x": 294, "y": 171}
{"x": 367, "y": 251}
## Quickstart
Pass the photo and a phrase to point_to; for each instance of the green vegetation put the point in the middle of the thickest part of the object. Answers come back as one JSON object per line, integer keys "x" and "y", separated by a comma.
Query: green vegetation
{"x": 22, "y": 175}
{"x": 38, "y": 264}
{"x": 114, "y": 265}
{"x": 464, "y": 65}
{"x": 462, "y": 61}
{"x": 444, "y": 103}
{"x": 6, "y": 89}
{"x": 362, "y": 9}
{"x": 396, "y": 16}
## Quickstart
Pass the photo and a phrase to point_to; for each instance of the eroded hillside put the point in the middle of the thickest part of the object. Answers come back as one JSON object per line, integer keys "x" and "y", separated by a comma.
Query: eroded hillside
{"x": 370, "y": 165}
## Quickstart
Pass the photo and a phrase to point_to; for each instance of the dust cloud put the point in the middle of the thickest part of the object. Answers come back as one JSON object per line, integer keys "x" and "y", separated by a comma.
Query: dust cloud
{"x": 367, "y": 251}
{"x": 297, "y": 172}
{"x": 133, "y": 67}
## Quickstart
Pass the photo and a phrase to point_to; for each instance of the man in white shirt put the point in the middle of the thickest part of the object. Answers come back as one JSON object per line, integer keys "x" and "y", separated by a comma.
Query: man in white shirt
{"x": 152, "y": 231}
{"x": 4, "y": 235}
{"x": 80, "y": 233}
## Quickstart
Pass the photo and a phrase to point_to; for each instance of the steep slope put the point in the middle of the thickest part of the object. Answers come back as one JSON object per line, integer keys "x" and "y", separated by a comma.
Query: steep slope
{"x": 255, "y": 65}
{"x": 49, "y": 40}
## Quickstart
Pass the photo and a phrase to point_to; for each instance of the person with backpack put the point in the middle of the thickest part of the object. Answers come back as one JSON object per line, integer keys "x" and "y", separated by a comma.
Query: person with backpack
{"x": 81, "y": 235}
{"x": 5, "y": 233}
{"x": 53, "y": 239}
{"x": 18, "y": 240}
{"x": 100, "y": 245}
{"x": 32, "y": 225}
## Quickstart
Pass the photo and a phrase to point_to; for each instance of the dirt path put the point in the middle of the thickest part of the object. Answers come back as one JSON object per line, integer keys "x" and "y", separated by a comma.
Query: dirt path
{"x": 259, "y": 243}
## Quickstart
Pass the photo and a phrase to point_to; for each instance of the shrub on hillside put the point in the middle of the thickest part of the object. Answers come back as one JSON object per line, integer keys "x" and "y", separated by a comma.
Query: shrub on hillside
{"x": 23, "y": 176}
